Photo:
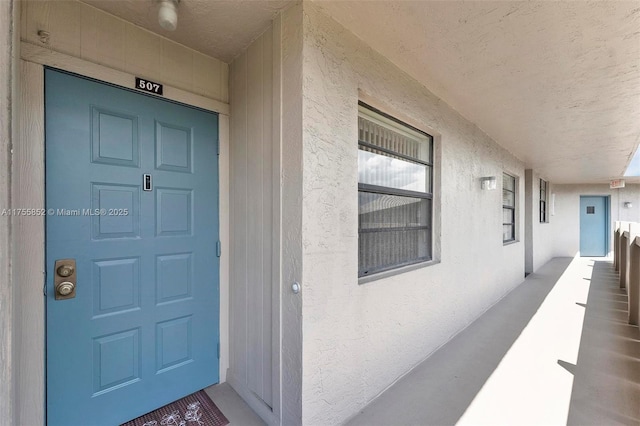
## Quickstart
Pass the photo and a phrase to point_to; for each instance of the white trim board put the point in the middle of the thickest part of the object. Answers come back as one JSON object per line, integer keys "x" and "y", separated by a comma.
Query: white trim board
{"x": 28, "y": 247}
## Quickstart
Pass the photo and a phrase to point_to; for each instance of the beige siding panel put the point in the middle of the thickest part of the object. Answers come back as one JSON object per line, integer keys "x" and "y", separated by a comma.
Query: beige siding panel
{"x": 276, "y": 102}
{"x": 8, "y": 331}
{"x": 204, "y": 68}
{"x": 239, "y": 261}
{"x": 60, "y": 19}
{"x": 82, "y": 31}
{"x": 103, "y": 37}
{"x": 254, "y": 206}
{"x": 267, "y": 214}
{"x": 23, "y": 20}
{"x": 32, "y": 19}
{"x": 291, "y": 200}
{"x": 142, "y": 52}
{"x": 223, "y": 163}
{"x": 176, "y": 65}
{"x": 28, "y": 250}
{"x": 224, "y": 81}
{"x": 252, "y": 277}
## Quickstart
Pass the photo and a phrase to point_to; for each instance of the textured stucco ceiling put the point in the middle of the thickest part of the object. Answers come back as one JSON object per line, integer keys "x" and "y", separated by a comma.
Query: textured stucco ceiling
{"x": 556, "y": 83}
{"x": 219, "y": 28}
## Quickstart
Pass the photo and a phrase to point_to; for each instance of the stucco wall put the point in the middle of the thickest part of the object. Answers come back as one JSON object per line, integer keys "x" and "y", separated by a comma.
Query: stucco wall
{"x": 565, "y": 224}
{"x": 540, "y": 239}
{"x": 358, "y": 339}
{"x": 543, "y": 236}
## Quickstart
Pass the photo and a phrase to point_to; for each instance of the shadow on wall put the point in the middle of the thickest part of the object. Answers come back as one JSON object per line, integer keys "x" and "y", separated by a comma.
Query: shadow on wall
{"x": 439, "y": 391}
{"x": 606, "y": 386}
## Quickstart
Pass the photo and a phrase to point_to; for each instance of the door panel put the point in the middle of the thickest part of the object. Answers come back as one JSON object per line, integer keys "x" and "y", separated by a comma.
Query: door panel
{"x": 593, "y": 226}
{"x": 143, "y": 328}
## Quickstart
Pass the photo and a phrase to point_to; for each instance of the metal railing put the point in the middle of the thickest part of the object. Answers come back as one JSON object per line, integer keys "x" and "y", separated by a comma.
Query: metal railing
{"x": 626, "y": 261}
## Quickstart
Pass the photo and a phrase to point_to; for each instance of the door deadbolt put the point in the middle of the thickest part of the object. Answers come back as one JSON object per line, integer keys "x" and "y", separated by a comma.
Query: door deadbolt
{"x": 65, "y": 271}
{"x": 65, "y": 279}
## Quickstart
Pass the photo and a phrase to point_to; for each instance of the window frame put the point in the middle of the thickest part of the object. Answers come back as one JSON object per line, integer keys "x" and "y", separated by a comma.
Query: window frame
{"x": 381, "y": 118}
{"x": 544, "y": 201}
{"x": 513, "y": 208}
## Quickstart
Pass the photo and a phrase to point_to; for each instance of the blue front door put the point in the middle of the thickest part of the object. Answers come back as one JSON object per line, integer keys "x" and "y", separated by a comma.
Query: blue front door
{"x": 132, "y": 199}
{"x": 593, "y": 226}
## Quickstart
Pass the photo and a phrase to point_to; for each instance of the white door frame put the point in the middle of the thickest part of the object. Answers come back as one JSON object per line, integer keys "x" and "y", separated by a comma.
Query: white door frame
{"x": 28, "y": 241}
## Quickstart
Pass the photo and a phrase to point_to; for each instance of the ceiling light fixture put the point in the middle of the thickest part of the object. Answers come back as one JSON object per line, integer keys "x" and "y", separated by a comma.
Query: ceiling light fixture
{"x": 168, "y": 14}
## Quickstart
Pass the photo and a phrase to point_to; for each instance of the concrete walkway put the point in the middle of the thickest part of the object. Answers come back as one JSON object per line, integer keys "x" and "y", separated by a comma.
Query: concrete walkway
{"x": 232, "y": 406}
{"x": 606, "y": 387}
{"x": 556, "y": 350}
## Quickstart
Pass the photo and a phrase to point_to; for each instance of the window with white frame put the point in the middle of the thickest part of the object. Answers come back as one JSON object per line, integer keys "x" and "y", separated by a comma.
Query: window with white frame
{"x": 543, "y": 201}
{"x": 395, "y": 193}
{"x": 508, "y": 208}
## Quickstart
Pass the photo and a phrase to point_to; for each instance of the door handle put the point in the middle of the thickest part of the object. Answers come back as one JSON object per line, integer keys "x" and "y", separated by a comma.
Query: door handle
{"x": 65, "y": 278}
{"x": 65, "y": 288}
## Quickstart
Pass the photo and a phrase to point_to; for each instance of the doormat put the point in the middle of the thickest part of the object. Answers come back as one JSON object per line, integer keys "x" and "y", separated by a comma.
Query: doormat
{"x": 194, "y": 410}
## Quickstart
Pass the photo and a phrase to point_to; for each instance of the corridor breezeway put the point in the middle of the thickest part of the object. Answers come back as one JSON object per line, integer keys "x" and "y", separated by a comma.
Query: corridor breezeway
{"x": 556, "y": 350}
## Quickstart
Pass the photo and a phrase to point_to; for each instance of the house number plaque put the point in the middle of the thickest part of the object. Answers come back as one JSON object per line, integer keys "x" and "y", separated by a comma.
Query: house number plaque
{"x": 148, "y": 86}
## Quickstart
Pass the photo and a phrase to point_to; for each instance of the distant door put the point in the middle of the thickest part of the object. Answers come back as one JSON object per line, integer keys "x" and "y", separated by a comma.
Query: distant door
{"x": 132, "y": 193}
{"x": 593, "y": 226}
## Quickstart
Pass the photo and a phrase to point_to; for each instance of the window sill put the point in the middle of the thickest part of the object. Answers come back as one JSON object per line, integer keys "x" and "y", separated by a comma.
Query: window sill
{"x": 393, "y": 272}
{"x": 508, "y": 243}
